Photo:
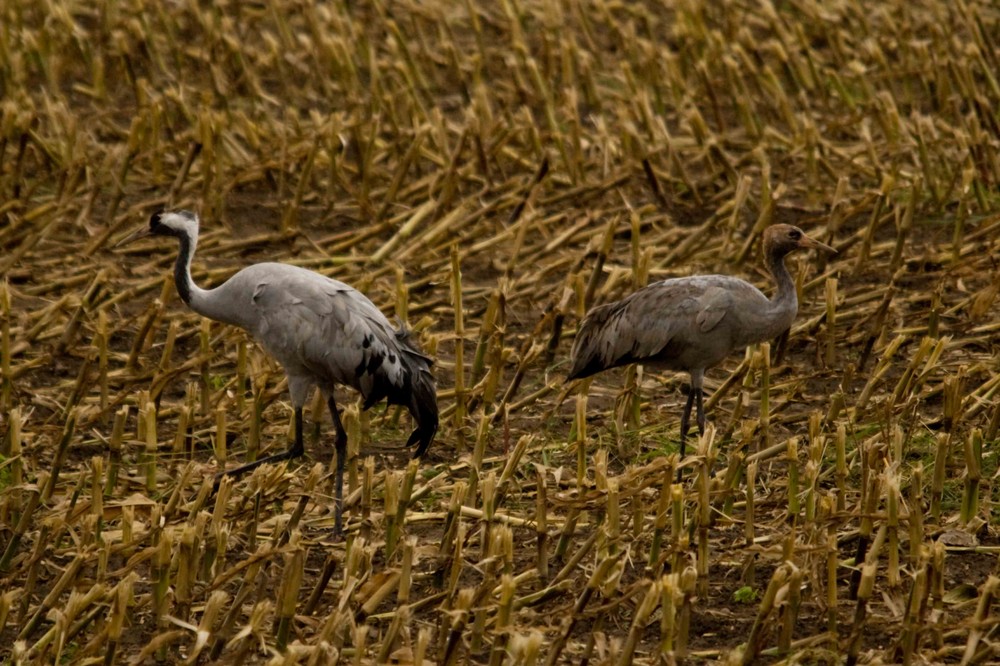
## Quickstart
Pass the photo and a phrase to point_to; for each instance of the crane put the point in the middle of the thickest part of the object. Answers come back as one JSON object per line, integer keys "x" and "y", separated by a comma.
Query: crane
{"x": 323, "y": 333}
{"x": 692, "y": 323}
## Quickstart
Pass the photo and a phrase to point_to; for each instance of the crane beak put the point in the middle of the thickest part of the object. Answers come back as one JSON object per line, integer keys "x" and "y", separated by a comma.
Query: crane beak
{"x": 813, "y": 244}
{"x": 141, "y": 232}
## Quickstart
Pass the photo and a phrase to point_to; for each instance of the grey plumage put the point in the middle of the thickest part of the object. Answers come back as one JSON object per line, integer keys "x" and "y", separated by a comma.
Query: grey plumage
{"x": 691, "y": 323}
{"x": 323, "y": 333}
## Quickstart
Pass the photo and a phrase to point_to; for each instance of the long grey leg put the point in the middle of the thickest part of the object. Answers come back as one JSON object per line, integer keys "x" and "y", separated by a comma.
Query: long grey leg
{"x": 700, "y": 406}
{"x": 341, "y": 444}
{"x": 685, "y": 424}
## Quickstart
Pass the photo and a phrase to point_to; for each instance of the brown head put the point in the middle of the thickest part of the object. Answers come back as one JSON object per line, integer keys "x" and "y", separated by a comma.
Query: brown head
{"x": 783, "y": 239}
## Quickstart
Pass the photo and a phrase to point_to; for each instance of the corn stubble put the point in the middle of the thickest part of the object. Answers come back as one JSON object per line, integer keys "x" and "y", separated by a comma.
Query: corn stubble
{"x": 490, "y": 172}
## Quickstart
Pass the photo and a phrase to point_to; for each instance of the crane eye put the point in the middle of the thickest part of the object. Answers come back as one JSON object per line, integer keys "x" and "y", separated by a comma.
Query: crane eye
{"x": 795, "y": 234}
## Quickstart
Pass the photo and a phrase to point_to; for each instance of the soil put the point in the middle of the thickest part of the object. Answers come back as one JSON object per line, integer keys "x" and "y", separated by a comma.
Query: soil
{"x": 317, "y": 135}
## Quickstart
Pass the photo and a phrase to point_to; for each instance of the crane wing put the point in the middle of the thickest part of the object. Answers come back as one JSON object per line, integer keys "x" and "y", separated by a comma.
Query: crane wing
{"x": 643, "y": 325}
{"x": 711, "y": 307}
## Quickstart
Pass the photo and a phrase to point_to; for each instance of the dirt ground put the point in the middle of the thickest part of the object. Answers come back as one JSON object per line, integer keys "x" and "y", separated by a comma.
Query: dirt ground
{"x": 486, "y": 173}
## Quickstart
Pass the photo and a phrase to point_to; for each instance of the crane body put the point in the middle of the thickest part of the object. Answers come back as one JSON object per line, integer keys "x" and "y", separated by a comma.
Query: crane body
{"x": 691, "y": 323}
{"x": 323, "y": 333}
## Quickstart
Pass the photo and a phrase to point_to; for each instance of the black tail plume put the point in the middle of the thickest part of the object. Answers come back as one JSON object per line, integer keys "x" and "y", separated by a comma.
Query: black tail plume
{"x": 419, "y": 395}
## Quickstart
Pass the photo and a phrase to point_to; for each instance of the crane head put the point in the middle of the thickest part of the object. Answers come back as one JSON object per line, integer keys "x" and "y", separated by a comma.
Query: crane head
{"x": 165, "y": 223}
{"x": 783, "y": 239}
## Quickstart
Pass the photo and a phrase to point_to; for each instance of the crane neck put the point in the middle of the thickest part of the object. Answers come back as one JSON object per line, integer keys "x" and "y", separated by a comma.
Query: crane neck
{"x": 218, "y": 303}
{"x": 786, "y": 296}
{"x": 190, "y": 293}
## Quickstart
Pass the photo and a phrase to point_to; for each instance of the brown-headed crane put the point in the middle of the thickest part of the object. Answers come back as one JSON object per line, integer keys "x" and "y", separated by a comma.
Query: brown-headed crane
{"x": 692, "y": 323}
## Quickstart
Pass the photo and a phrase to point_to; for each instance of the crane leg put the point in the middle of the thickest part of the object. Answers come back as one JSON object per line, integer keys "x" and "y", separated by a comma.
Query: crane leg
{"x": 685, "y": 424}
{"x": 700, "y": 409}
{"x": 341, "y": 444}
{"x": 294, "y": 451}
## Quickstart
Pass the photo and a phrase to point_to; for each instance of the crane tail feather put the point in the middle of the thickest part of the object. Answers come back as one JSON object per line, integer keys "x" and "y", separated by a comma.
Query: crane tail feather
{"x": 418, "y": 394}
{"x": 589, "y": 354}
{"x": 423, "y": 407}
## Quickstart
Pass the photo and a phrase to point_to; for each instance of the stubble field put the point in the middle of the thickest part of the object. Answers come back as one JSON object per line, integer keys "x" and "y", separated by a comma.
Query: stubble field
{"x": 487, "y": 172}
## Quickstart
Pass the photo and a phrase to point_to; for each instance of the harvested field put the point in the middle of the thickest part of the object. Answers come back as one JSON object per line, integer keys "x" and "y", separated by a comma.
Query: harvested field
{"x": 488, "y": 172}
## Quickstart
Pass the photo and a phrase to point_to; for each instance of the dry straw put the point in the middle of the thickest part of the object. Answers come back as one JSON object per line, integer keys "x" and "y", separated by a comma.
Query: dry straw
{"x": 489, "y": 173}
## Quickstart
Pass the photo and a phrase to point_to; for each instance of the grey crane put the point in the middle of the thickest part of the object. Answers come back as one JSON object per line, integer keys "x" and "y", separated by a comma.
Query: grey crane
{"x": 322, "y": 332}
{"x": 692, "y": 323}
